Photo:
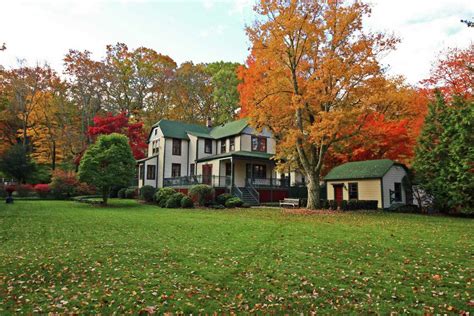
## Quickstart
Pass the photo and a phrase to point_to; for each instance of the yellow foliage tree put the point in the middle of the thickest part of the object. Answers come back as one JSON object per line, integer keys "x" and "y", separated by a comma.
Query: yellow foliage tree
{"x": 313, "y": 77}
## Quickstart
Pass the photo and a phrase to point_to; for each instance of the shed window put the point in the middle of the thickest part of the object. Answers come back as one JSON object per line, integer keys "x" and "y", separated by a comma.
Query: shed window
{"x": 398, "y": 191}
{"x": 176, "y": 170}
{"x": 150, "y": 172}
{"x": 208, "y": 146}
{"x": 176, "y": 147}
{"x": 353, "y": 191}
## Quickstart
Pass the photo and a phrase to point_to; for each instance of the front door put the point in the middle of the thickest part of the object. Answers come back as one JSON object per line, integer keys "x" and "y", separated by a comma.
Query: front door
{"x": 338, "y": 194}
{"x": 207, "y": 174}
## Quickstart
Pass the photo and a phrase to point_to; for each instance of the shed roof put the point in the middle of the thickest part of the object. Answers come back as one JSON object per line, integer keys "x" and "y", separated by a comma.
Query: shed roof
{"x": 367, "y": 169}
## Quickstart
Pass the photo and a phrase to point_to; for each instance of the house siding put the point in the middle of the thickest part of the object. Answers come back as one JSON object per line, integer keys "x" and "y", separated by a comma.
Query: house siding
{"x": 395, "y": 174}
{"x": 368, "y": 190}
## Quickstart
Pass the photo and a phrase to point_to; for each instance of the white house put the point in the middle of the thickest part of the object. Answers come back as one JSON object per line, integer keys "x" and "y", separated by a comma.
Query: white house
{"x": 382, "y": 180}
{"x": 232, "y": 157}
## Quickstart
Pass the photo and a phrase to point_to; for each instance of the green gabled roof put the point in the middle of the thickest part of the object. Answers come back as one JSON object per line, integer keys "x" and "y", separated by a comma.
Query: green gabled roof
{"x": 201, "y": 135}
{"x": 175, "y": 129}
{"x": 368, "y": 169}
{"x": 240, "y": 153}
{"x": 229, "y": 129}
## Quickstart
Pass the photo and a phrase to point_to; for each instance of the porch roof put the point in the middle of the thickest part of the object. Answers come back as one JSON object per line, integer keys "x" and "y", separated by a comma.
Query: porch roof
{"x": 239, "y": 154}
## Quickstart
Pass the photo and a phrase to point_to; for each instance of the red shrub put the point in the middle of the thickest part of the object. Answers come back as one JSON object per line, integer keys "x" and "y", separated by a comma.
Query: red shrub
{"x": 63, "y": 184}
{"x": 42, "y": 190}
{"x": 84, "y": 189}
{"x": 24, "y": 190}
{"x": 10, "y": 189}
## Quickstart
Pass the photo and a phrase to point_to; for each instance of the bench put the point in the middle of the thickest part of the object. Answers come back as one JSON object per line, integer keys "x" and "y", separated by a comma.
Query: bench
{"x": 290, "y": 202}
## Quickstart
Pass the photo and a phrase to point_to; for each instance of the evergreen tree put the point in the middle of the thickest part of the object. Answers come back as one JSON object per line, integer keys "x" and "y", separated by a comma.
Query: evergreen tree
{"x": 17, "y": 163}
{"x": 444, "y": 155}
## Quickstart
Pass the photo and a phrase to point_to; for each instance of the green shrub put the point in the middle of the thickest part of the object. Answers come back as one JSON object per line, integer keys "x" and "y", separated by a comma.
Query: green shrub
{"x": 114, "y": 191}
{"x": 217, "y": 206}
{"x": 162, "y": 195}
{"x": 174, "y": 201}
{"x": 222, "y": 198}
{"x": 234, "y": 202}
{"x": 344, "y": 205}
{"x": 121, "y": 193}
{"x": 147, "y": 192}
{"x": 403, "y": 208}
{"x": 187, "y": 202}
{"x": 3, "y": 192}
{"x": 332, "y": 205}
{"x": 325, "y": 204}
{"x": 131, "y": 193}
{"x": 201, "y": 193}
{"x": 354, "y": 205}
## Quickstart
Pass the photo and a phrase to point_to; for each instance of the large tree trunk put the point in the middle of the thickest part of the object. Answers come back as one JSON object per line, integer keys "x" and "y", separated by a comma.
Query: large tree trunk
{"x": 314, "y": 193}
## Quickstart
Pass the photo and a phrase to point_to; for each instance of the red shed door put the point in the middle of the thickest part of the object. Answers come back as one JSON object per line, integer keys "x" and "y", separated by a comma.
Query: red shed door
{"x": 338, "y": 193}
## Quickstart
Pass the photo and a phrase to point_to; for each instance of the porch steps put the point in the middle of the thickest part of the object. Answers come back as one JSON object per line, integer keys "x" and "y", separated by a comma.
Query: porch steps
{"x": 248, "y": 198}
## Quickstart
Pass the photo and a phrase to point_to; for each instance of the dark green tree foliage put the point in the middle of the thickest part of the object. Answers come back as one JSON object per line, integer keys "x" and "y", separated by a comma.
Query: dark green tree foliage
{"x": 444, "y": 155}
{"x": 225, "y": 94}
{"x": 17, "y": 163}
{"x": 108, "y": 162}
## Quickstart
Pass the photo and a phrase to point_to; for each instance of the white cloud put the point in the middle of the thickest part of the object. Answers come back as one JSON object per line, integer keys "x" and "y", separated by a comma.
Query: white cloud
{"x": 425, "y": 27}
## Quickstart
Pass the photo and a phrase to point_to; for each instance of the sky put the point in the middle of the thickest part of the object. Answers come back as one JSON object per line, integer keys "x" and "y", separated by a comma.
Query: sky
{"x": 210, "y": 30}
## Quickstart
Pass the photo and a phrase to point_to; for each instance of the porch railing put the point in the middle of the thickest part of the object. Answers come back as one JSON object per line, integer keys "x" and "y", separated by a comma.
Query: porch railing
{"x": 214, "y": 181}
{"x": 268, "y": 182}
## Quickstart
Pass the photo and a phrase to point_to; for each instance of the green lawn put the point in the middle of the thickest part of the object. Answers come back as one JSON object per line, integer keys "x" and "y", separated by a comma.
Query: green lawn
{"x": 67, "y": 256}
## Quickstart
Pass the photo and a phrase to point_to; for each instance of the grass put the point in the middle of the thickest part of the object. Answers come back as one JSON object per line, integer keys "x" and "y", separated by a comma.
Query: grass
{"x": 59, "y": 256}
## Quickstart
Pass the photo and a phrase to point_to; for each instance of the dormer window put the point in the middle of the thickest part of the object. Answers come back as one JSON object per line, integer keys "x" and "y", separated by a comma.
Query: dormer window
{"x": 223, "y": 146}
{"x": 259, "y": 143}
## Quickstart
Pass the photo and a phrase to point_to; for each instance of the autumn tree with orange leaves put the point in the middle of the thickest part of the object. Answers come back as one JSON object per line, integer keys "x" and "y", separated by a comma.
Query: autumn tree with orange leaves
{"x": 314, "y": 78}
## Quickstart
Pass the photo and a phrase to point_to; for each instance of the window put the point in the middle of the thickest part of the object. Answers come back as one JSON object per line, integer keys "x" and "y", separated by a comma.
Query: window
{"x": 398, "y": 191}
{"x": 208, "y": 146}
{"x": 176, "y": 147}
{"x": 259, "y": 144}
{"x": 223, "y": 145}
{"x": 150, "y": 172}
{"x": 353, "y": 191}
{"x": 232, "y": 144}
{"x": 142, "y": 171}
{"x": 175, "y": 170}
{"x": 191, "y": 169}
{"x": 156, "y": 131}
{"x": 259, "y": 171}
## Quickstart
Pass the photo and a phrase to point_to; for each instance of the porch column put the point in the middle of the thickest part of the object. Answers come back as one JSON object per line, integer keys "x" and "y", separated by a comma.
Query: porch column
{"x": 232, "y": 171}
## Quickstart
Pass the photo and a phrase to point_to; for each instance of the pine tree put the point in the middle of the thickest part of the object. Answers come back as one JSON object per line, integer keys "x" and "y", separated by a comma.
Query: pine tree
{"x": 444, "y": 155}
{"x": 457, "y": 174}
